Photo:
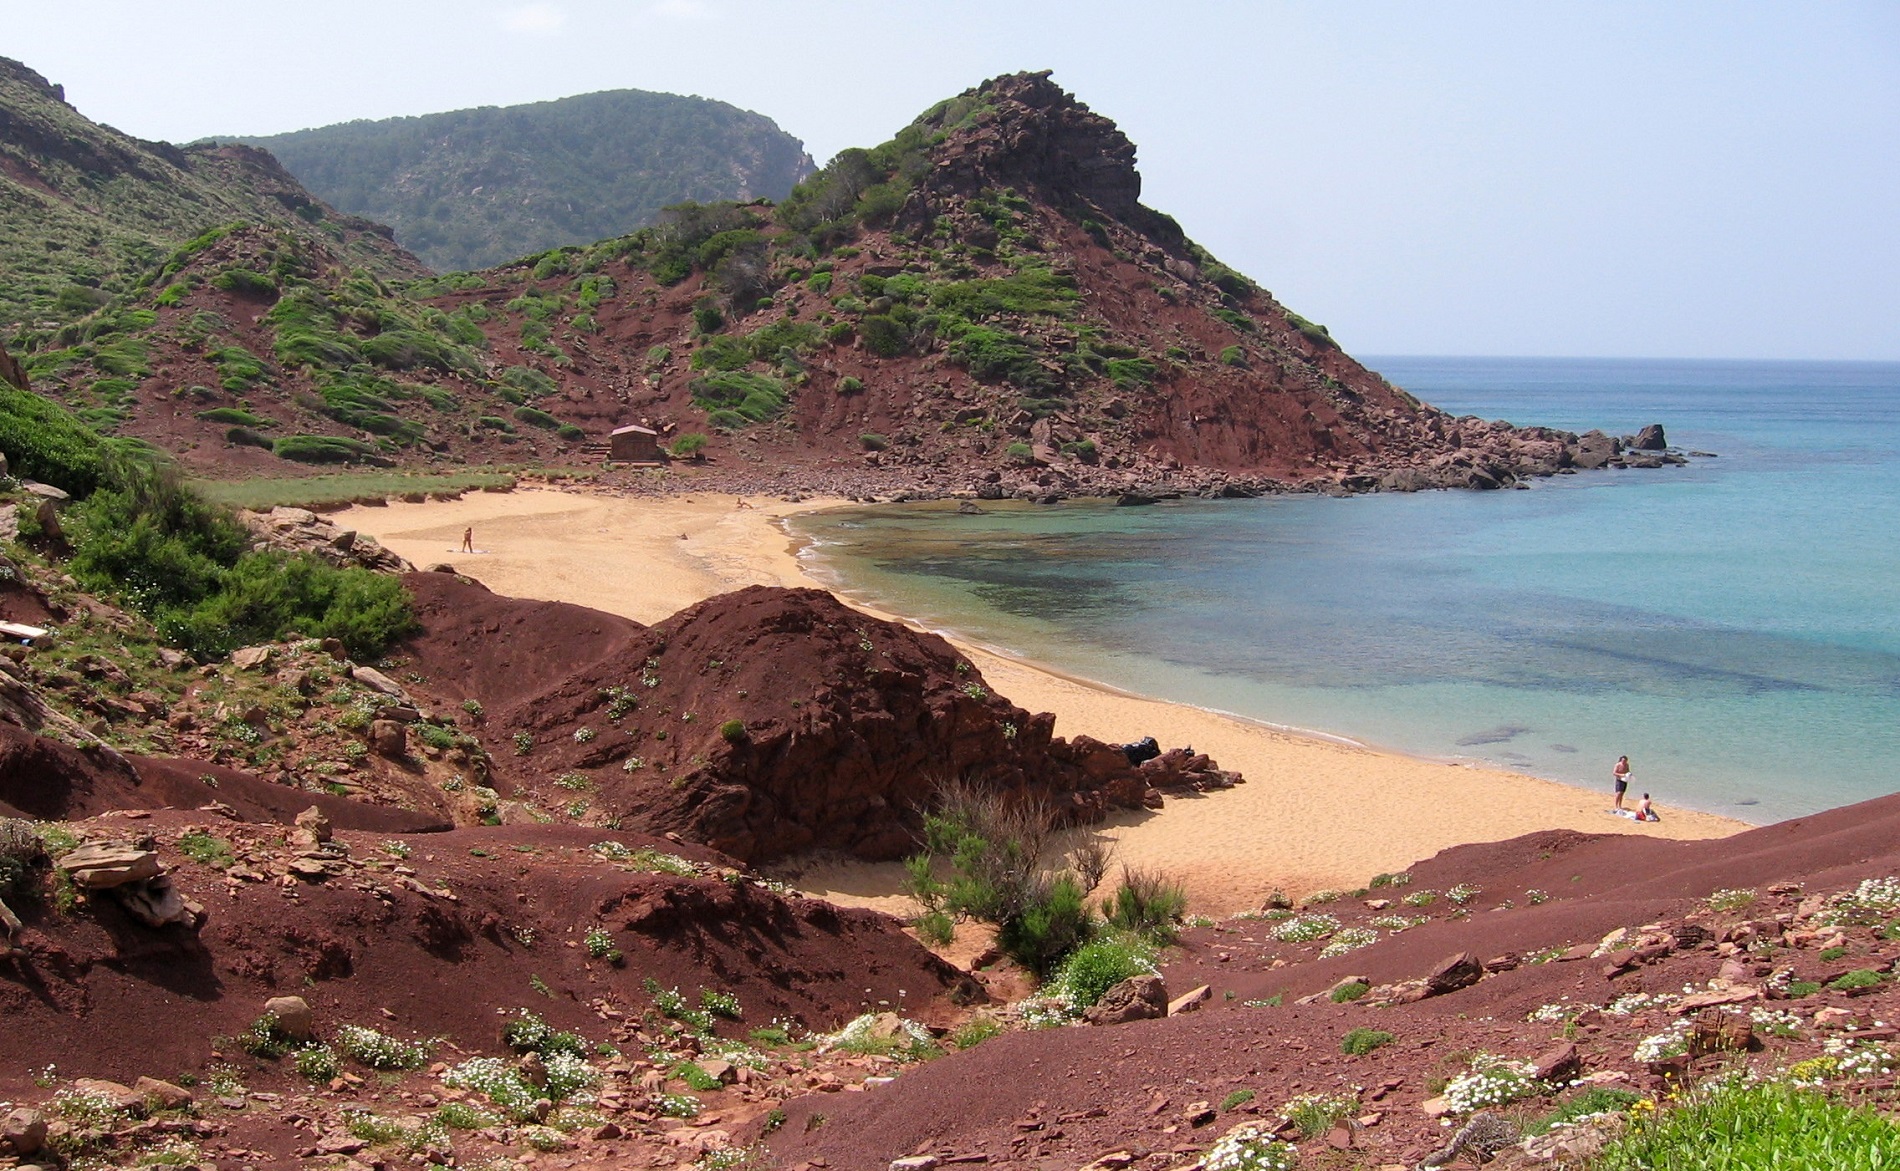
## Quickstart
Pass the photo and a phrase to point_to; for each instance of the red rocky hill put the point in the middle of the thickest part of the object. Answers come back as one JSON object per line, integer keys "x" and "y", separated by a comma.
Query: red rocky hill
{"x": 980, "y": 305}
{"x": 763, "y": 722}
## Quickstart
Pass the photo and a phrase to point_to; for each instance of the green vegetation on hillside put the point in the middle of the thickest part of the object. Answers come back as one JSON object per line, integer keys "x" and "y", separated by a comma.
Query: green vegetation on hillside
{"x": 86, "y": 210}
{"x": 475, "y": 188}
{"x": 137, "y": 533}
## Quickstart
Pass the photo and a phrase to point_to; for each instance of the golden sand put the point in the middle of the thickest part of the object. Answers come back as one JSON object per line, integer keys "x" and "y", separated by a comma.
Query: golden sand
{"x": 1312, "y": 814}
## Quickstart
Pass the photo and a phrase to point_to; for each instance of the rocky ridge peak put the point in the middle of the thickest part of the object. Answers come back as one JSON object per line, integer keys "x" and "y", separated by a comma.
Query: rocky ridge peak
{"x": 1027, "y": 132}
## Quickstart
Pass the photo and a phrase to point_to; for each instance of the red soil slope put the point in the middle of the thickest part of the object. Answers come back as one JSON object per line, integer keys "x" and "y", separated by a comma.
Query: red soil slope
{"x": 1070, "y": 1095}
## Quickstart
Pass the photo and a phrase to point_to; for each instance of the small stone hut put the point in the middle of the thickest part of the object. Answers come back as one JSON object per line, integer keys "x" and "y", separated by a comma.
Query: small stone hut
{"x": 634, "y": 444}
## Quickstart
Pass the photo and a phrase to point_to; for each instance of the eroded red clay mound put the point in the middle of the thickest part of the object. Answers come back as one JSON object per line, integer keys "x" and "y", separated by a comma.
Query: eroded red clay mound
{"x": 764, "y": 721}
{"x": 104, "y": 996}
{"x": 48, "y": 780}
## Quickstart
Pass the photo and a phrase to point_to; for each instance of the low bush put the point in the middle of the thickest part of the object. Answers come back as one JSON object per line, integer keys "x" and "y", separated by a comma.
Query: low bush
{"x": 872, "y": 441}
{"x": 536, "y": 418}
{"x": 1099, "y": 965}
{"x": 1053, "y": 923}
{"x": 1361, "y": 1041}
{"x": 321, "y": 449}
{"x": 1148, "y": 903}
{"x": 1740, "y": 1126}
{"x": 687, "y": 446}
{"x": 1347, "y": 993}
{"x": 738, "y": 398}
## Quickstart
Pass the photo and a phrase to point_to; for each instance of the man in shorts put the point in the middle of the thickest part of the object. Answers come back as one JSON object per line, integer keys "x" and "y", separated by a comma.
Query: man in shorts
{"x": 1621, "y": 775}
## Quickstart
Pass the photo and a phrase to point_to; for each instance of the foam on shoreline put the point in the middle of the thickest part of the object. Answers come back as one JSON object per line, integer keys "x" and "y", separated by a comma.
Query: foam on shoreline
{"x": 1317, "y": 811}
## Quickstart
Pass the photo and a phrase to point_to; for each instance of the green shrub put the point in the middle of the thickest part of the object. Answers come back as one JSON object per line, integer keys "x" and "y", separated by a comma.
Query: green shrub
{"x": 1237, "y": 1098}
{"x": 245, "y": 437}
{"x": 935, "y": 928}
{"x": 739, "y": 395}
{"x": 234, "y": 415}
{"x": 43, "y": 441}
{"x": 321, "y": 449}
{"x": 1148, "y": 903}
{"x": 1022, "y": 453}
{"x": 536, "y": 418}
{"x": 707, "y": 318}
{"x": 1095, "y": 967}
{"x": 528, "y": 381}
{"x": 687, "y": 446}
{"x": 850, "y": 385}
{"x": 975, "y": 1031}
{"x": 1767, "y": 1126}
{"x": 206, "y": 850}
{"x": 1346, "y": 993}
{"x": 267, "y": 594}
{"x": 1233, "y": 356}
{"x": 318, "y": 1063}
{"x": 1053, "y": 923}
{"x": 1130, "y": 373}
{"x": 872, "y": 441}
{"x": 266, "y": 1038}
{"x": 1858, "y": 978}
{"x": 733, "y": 731}
{"x": 1595, "y": 1100}
{"x": 527, "y": 1033}
{"x": 1830, "y": 954}
{"x": 1359, "y": 1042}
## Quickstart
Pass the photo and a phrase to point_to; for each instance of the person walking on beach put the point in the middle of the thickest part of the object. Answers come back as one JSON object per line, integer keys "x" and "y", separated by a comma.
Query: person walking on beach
{"x": 1621, "y": 775}
{"x": 468, "y": 539}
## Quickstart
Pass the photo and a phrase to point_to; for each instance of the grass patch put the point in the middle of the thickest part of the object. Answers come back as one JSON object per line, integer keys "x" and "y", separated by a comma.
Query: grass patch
{"x": 303, "y": 492}
{"x": 1360, "y": 1042}
{"x": 1736, "y": 1127}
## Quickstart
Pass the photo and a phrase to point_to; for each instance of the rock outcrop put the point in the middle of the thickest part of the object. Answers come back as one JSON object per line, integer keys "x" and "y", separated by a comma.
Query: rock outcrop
{"x": 298, "y": 530}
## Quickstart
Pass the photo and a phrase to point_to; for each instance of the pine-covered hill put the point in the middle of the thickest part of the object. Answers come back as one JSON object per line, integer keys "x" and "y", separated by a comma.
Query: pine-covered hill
{"x": 87, "y": 212}
{"x": 980, "y": 305}
{"x": 475, "y": 188}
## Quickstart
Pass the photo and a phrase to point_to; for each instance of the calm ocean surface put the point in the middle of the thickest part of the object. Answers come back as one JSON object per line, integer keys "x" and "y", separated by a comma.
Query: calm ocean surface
{"x": 1734, "y": 626}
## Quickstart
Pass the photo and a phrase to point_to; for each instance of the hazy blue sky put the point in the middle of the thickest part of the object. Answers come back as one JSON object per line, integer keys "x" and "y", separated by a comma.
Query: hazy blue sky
{"x": 1683, "y": 179}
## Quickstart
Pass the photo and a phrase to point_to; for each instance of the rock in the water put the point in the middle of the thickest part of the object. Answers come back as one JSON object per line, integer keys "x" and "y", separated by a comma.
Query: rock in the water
{"x": 1650, "y": 438}
{"x": 102, "y": 865}
{"x": 1138, "y": 998}
{"x": 293, "y": 1016}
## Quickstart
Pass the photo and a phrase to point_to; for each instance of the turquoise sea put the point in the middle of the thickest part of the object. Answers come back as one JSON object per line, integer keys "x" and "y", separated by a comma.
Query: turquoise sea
{"x": 1734, "y": 625}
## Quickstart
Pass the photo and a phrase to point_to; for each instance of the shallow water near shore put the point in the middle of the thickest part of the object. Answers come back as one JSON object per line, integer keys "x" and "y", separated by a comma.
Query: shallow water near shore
{"x": 1734, "y": 626}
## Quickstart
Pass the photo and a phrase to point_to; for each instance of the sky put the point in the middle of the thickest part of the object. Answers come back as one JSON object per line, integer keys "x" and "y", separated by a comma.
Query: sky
{"x": 1689, "y": 180}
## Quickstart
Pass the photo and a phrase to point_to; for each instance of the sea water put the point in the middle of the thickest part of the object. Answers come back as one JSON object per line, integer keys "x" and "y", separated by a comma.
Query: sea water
{"x": 1733, "y": 625}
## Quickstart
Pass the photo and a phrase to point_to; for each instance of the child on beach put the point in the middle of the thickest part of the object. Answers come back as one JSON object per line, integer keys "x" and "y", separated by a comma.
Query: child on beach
{"x": 1644, "y": 812}
{"x": 1621, "y": 775}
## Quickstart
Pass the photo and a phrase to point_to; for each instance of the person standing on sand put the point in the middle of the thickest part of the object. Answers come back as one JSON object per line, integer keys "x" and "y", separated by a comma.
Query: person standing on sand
{"x": 468, "y": 539}
{"x": 1621, "y": 775}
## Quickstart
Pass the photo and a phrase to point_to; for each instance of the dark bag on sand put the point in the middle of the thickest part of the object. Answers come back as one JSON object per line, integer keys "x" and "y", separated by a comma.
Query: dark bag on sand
{"x": 1142, "y": 749}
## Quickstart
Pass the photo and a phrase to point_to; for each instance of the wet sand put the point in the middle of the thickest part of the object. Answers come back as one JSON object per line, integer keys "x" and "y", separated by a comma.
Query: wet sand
{"x": 1313, "y": 813}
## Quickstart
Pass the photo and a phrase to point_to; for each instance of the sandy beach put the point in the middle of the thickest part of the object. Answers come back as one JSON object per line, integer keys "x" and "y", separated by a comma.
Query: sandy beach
{"x": 1312, "y": 814}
